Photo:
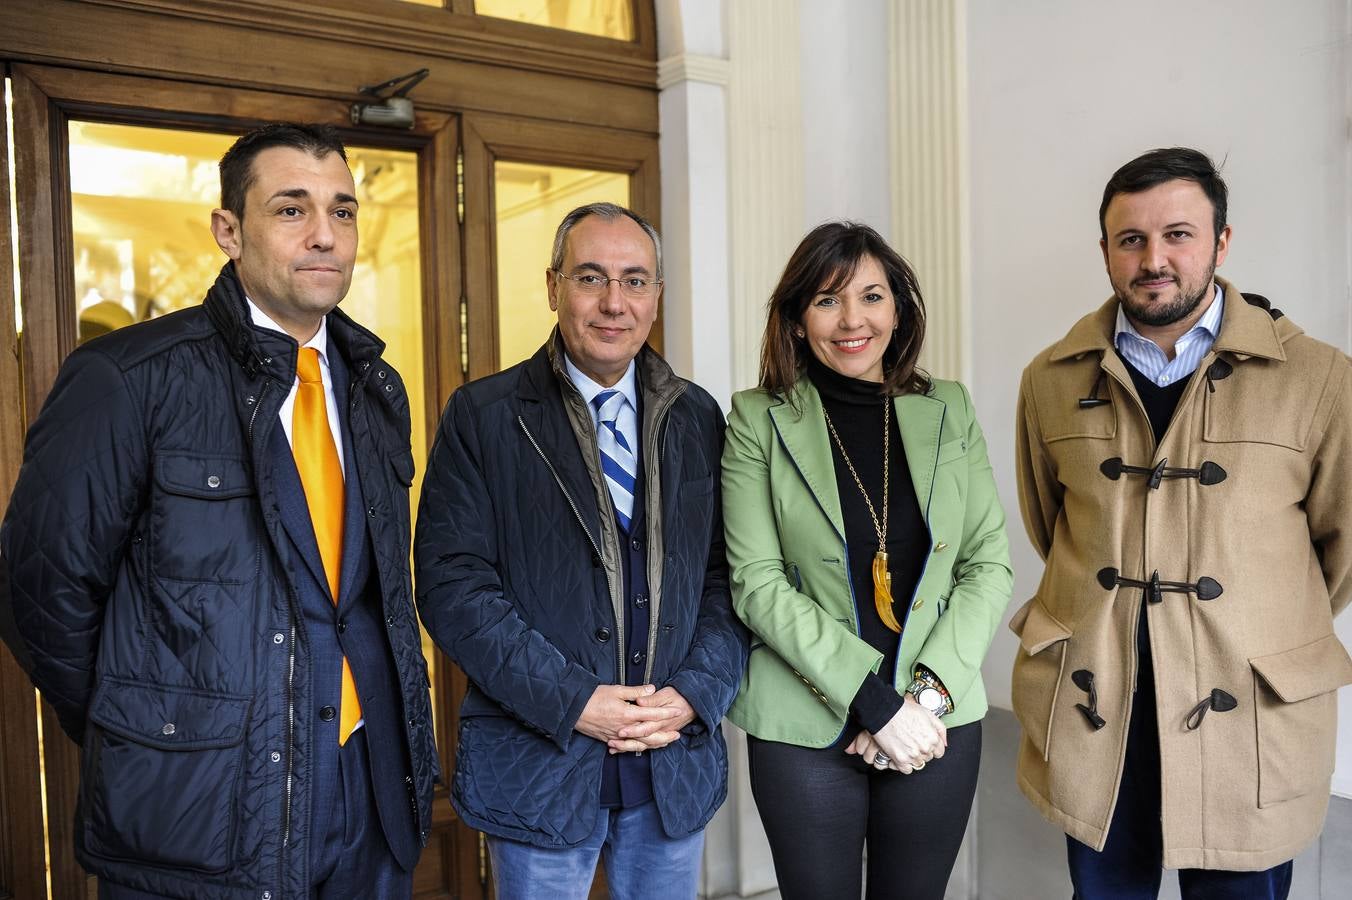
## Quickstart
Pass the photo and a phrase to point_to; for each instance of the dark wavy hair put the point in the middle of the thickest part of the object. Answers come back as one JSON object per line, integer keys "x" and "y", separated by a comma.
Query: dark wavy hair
{"x": 825, "y": 261}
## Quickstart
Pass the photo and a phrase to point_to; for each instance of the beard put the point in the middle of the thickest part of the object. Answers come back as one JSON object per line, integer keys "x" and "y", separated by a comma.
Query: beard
{"x": 1150, "y": 308}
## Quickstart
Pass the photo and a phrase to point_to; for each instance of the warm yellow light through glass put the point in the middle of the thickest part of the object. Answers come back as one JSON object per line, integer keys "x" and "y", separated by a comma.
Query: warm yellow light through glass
{"x": 607, "y": 18}
{"x": 141, "y": 202}
{"x": 427, "y": 2}
{"x": 530, "y": 200}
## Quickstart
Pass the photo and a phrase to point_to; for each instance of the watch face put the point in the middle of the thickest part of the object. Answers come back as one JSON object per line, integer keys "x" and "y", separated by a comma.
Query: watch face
{"x": 931, "y": 699}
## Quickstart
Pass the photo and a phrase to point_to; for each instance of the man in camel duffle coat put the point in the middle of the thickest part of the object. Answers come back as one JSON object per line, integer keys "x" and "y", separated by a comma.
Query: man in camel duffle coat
{"x": 1185, "y": 470}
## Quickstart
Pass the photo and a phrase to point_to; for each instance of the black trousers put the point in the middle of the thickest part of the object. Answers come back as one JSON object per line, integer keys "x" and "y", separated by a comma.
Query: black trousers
{"x": 820, "y": 807}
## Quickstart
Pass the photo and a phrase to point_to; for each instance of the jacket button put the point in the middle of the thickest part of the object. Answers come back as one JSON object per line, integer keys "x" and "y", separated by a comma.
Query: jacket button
{"x": 168, "y": 729}
{"x": 371, "y": 511}
{"x": 603, "y": 634}
{"x": 275, "y": 756}
{"x": 213, "y": 481}
{"x": 641, "y": 600}
{"x": 342, "y": 625}
{"x": 327, "y": 713}
{"x": 278, "y": 637}
{"x": 389, "y": 620}
{"x": 636, "y": 545}
{"x": 381, "y": 374}
{"x": 918, "y": 603}
{"x": 638, "y": 657}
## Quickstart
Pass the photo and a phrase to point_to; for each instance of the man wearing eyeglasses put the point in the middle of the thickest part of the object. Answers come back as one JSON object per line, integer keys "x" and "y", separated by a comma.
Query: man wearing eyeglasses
{"x": 569, "y": 558}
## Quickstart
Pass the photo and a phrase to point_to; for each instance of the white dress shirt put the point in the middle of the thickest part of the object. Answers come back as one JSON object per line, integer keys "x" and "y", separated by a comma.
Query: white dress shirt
{"x": 321, "y": 343}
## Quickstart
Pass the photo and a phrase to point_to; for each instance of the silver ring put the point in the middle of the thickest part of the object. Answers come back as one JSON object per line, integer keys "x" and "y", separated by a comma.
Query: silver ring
{"x": 881, "y": 760}
{"x": 917, "y": 767}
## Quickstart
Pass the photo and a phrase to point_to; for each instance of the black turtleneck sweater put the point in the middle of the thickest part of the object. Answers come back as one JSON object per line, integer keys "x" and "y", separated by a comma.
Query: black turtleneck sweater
{"x": 856, "y": 409}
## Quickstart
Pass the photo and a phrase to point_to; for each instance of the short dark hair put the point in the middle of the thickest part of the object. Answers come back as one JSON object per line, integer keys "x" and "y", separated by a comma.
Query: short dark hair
{"x": 237, "y": 174}
{"x": 609, "y": 212}
{"x": 1167, "y": 164}
{"x": 826, "y": 260}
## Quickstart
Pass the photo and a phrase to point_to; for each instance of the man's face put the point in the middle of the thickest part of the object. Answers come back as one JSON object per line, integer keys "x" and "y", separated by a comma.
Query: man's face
{"x": 295, "y": 248}
{"x": 604, "y": 331}
{"x": 1162, "y": 251}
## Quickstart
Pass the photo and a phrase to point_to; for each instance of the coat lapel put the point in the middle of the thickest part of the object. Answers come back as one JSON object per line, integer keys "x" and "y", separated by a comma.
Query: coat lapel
{"x": 802, "y": 431}
{"x": 295, "y": 513}
{"x": 920, "y": 419}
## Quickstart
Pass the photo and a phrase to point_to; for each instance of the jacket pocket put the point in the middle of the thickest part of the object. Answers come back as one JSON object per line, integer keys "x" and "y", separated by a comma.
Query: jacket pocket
{"x": 198, "y": 498}
{"x": 162, "y": 774}
{"x": 1296, "y": 708}
{"x": 1038, "y": 668}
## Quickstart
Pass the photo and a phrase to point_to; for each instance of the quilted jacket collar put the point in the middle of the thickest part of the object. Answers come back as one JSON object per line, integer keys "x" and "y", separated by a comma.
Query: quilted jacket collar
{"x": 262, "y": 351}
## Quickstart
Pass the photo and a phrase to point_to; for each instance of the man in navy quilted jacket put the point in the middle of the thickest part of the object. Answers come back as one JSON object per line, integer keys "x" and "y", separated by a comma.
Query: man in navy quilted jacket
{"x": 207, "y": 564}
{"x": 569, "y": 558}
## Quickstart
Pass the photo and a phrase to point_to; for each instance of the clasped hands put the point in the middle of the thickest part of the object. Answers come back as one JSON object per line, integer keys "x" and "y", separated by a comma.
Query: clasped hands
{"x": 635, "y": 718}
{"x": 911, "y": 738}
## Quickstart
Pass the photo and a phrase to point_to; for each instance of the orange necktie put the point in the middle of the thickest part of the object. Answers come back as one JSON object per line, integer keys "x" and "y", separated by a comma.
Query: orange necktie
{"x": 322, "y": 477}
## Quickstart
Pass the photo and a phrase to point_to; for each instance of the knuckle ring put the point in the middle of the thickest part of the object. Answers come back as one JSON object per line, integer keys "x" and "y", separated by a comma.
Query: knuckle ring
{"x": 881, "y": 760}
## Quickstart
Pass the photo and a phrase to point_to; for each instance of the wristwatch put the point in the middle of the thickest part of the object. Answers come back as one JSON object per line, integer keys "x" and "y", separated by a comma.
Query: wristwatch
{"x": 929, "y": 696}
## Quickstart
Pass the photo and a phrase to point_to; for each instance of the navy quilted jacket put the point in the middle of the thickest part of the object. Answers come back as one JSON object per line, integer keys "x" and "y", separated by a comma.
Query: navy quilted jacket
{"x": 518, "y": 573}
{"x": 150, "y": 602}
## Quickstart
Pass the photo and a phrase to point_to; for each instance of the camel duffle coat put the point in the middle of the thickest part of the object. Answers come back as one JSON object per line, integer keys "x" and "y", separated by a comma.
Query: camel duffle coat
{"x": 1236, "y": 532}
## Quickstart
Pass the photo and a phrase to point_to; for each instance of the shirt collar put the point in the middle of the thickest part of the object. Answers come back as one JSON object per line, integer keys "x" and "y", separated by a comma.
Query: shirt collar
{"x": 627, "y": 385}
{"x": 320, "y": 341}
{"x": 1209, "y": 323}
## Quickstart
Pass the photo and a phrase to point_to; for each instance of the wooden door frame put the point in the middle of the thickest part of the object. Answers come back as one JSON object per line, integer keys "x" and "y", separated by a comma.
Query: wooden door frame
{"x": 45, "y": 100}
{"x": 22, "y": 854}
{"x": 488, "y": 138}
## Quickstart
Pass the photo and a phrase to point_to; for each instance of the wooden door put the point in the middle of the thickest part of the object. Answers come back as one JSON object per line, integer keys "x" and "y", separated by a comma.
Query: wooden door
{"x": 56, "y": 110}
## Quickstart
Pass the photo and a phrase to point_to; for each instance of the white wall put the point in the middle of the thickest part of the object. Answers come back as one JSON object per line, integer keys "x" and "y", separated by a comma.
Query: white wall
{"x": 1062, "y": 92}
{"x": 843, "y": 79}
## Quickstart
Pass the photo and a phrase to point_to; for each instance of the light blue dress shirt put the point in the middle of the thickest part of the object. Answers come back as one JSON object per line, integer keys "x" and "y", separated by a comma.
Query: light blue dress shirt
{"x": 627, "y": 422}
{"x": 1147, "y": 357}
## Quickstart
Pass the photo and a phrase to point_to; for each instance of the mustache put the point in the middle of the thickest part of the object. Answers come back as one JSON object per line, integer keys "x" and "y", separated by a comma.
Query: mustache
{"x": 1154, "y": 276}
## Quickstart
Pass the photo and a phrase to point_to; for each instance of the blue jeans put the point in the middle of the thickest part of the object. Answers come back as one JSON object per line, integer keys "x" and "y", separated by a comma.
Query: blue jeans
{"x": 1129, "y": 867}
{"x": 641, "y": 862}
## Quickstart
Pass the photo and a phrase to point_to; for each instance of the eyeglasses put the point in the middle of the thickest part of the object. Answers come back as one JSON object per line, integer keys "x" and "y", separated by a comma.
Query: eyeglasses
{"x": 593, "y": 284}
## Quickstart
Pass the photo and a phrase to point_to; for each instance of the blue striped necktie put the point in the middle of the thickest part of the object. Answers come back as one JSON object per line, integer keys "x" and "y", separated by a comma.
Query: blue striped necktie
{"x": 617, "y": 457}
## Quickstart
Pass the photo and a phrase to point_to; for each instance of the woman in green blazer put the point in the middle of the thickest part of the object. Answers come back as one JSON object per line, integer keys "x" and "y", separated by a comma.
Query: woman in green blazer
{"x": 868, "y": 557}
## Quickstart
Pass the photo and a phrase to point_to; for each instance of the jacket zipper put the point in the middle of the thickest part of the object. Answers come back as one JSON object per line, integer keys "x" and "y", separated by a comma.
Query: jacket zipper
{"x": 619, "y": 622}
{"x": 290, "y": 732}
{"x": 258, "y": 404}
{"x": 290, "y": 675}
{"x": 655, "y": 597}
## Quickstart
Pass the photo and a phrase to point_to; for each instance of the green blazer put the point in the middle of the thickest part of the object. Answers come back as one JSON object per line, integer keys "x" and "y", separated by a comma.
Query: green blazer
{"x": 790, "y": 572}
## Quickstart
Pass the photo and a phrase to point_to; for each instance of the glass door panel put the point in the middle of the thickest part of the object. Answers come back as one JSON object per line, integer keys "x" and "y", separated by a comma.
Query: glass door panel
{"x": 607, "y": 18}
{"x": 141, "y": 202}
{"x": 529, "y": 202}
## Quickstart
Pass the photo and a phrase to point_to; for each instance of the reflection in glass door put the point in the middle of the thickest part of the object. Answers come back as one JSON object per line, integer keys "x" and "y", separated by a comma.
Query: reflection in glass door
{"x": 141, "y": 202}
{"x": 529, "y": 202}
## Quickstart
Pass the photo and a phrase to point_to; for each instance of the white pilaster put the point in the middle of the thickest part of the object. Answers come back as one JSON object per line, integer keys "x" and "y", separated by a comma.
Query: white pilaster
{"x": 930, "y": 170}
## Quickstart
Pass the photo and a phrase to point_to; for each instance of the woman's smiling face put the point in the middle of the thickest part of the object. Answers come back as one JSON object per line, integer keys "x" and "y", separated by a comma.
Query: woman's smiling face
{"x": 849, "y": 329}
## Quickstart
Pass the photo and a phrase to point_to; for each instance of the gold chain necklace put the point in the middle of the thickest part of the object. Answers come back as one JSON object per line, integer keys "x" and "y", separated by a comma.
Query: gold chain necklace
{"x": 882, "y": 579}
